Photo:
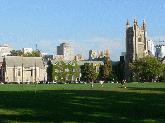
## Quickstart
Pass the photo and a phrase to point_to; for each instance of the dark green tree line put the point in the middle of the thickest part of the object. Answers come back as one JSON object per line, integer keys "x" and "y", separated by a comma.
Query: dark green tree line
{"x": 88, "y": 72}
{"x": 105, "y": 70}
{"x": 146, "y": 69}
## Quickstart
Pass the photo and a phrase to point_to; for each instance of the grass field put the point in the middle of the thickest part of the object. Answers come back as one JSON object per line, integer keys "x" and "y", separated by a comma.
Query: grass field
{"x": 138, "y": 103}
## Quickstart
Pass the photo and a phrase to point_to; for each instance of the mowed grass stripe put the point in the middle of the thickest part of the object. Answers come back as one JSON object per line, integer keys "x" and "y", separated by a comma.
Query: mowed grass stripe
{"x": 138, "y": 103}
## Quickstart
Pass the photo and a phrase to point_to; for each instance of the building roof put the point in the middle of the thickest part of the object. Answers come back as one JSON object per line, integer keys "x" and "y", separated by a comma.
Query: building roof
{"x": 94, "y": 62}
{"x": 26, "y": 61}
{"x": 57, "y": 60}
{"x": 78, "y": 62}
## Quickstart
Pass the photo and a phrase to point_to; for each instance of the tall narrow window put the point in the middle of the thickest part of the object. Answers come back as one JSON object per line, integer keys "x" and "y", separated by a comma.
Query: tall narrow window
{"x": 139, "y": 39}
{"x": 31, "y": 72}
{"x": 19, "y": 72}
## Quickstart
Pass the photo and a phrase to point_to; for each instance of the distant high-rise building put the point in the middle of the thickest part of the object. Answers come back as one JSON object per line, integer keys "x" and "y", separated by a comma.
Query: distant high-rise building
{"x": 151, "y": 48}
{"x": 160, "y": 51}
{"x": 92, "y": 54}
{"x": 136, "y": 41}
{"x": 5, "y": 50}
{"x": 66, "y": 50}
{"x": 27, "y": 50}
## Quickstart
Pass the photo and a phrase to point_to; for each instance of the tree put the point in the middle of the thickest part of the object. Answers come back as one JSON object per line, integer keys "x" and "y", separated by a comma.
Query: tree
{"x": 88, "y": 72}
{"x": 49, "y": 71}
{"x": 146, "y": 69}
{"x": 35, "y": 53}
{"x": 73, "y": 71}
{"x": 105, "y": 70}
{"x": 65, "y": 71}
{"x": 16, "y": 53}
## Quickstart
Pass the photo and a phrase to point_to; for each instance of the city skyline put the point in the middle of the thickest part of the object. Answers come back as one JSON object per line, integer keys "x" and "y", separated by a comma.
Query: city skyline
{"x": 85, "y": 24}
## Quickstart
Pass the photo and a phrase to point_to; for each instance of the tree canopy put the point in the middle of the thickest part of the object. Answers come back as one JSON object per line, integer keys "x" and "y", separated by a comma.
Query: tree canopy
{"x": 35, "y": 53}
{"x": 105, "y": 70}
{"x": 146, "y": 69}
{"x": 88, "y": 72}
{"x": 16, "y": 53}
{"x": 64, "y": 72}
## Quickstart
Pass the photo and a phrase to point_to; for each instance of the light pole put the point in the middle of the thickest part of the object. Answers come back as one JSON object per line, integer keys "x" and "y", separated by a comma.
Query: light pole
{"x": 22, "y": 72}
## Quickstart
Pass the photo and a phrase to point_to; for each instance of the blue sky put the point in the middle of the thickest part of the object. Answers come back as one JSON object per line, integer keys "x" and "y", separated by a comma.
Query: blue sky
{"x": 86, "y": 24}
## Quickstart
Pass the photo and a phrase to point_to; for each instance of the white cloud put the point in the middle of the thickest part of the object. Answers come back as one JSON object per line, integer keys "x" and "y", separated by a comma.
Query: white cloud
{"x": 116, "y": 46}
{"x": 158, "y": 39}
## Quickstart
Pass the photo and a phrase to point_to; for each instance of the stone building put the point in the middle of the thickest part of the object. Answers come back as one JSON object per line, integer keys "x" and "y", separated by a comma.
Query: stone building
{"x": 68, "y": 71}
{"x": 23, "y": 69}
{"x": 1, "y": 63}
{"x": 136, "y": 44}
{"x": 92, "y": 54}
{"x": 98, "y": 56}
{"x": 94, "y": 63}
{"x": 64, "y": 71}
{"x": 136, "y": 41}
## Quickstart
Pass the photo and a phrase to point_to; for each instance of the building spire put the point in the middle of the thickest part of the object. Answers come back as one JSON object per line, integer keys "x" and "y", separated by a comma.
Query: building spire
{"x": 144, "y": 24}
{"x": 127, "y": 24}
{"x": 135, "y": 21}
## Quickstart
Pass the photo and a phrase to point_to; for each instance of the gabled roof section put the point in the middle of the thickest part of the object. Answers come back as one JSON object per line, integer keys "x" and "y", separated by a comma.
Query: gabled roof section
{"x": 17, "y": 61}
{"x": 90, "y": 62}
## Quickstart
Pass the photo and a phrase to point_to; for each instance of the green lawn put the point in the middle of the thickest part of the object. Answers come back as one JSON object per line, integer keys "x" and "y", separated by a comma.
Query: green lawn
{"x": 138, "y": 103}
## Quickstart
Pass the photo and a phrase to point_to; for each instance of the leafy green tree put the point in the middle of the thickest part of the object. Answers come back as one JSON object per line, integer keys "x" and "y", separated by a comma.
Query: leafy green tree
{"x": 146, "y": 69}
{"x": 16, "y": 53}
{"x": 105, "y": 70}
{"x": 88, "y": 72}
{"x": 73, "y": 71}
{"x": 35, "y": 53}
{"x": 65, "y": 71}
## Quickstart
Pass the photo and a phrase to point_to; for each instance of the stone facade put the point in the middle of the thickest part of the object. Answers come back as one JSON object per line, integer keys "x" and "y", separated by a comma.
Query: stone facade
{"x": 98, "y": 56}
{"x": 23, "y": 69}
{"x": 136, "y": 45}
{"x": 68, "y": 71}
{"x": 92, "y": 54}
{"x": 136, "y": 41}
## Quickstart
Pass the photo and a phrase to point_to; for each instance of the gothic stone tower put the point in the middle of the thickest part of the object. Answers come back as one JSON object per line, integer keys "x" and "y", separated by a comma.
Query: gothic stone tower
{"x": 136, "y": 42}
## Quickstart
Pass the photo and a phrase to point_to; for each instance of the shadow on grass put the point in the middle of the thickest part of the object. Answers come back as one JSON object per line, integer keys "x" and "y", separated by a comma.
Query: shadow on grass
{"x": 148, "y": 89}
{"x": 81, "y": 106}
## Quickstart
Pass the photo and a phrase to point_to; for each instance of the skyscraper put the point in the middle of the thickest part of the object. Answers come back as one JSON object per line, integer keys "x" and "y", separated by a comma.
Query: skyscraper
{"x": 160, "y": 51}
{"x": 5, "y": 50}
{"x": 66, "y": 50}
{"x": 151, "y": 49}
